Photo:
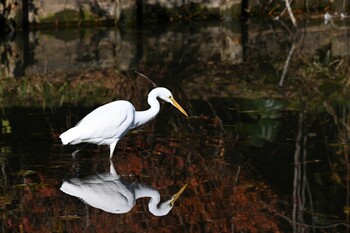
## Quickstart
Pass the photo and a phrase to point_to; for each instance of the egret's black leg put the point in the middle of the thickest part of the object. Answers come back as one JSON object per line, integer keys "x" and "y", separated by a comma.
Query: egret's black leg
{"x": 74, "y": 154}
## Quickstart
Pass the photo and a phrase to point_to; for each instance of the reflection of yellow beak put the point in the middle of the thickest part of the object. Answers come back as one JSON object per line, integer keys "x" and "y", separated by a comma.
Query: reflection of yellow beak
{"x": 177, "y": 105}
{"x": 176, "y": 195}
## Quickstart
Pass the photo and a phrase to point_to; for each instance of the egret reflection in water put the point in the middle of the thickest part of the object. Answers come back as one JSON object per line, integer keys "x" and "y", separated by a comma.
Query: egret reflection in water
{"x": 107, "y": 124}
{"x": 109, "y": 192}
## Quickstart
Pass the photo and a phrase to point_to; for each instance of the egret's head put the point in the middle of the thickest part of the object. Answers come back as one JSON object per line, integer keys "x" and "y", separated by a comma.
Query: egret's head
{"x": 165, "y": 207}
{"x": 166, "y": 95}
{"x": 177, "y": 195}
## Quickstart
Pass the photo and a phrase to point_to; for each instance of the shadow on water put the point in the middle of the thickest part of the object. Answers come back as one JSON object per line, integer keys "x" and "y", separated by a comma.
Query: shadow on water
{"x": 257, "y": 158}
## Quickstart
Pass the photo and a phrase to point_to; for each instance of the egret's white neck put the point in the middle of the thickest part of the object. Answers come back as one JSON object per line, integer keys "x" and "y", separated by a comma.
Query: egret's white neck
{"x": 143, "y": 191}
{"x": 142, "y": 117}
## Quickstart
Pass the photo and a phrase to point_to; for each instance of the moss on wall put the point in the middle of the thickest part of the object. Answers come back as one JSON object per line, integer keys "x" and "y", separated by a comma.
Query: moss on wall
{"x": 70, "y": 17}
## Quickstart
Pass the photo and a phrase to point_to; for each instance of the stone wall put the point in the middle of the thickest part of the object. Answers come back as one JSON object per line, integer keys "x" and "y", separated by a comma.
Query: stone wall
{"x": 78, "y": 11}
{"x": 71, "y": 51}
{"x": 56, "y": 13}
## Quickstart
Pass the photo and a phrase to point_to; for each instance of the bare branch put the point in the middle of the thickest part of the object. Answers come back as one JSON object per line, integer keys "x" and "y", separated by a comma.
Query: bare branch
{"x": 286, "y": 65}
{"x": 290, "y": 12}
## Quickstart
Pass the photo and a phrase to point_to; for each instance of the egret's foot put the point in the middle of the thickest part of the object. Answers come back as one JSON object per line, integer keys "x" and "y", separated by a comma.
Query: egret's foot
{"x": 74, "y": 154}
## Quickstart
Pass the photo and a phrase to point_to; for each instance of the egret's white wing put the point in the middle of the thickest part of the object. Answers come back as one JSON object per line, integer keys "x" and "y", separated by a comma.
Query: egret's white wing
{"x": 110, "y": 121}
{"x": 110, "y": 196}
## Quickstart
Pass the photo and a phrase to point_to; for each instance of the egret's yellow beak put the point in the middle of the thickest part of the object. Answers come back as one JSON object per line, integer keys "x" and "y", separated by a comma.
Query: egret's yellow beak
{"x": 177, "y": 105}
{"x": 176, "y": 195}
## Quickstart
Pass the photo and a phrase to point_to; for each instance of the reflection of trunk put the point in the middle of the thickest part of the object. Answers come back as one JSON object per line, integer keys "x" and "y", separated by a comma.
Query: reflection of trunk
{"x": 3, "y": 172}
{"x": 21, "y": 67}
{"x": 346, "y": 158}
{"x": 7, "y": 21}
{"x": 244, "y": 28}
{"x": 139, "y": 44}
{"x": 25, "y": 16}
{"x": 139, "y": 16}
{"x": 139, "y": 33}
{"x": 344, "y": 5}
{"x": 14, "y": 55}
{"x": 244, "y": 9}
{"x": 117, "y": 11}
{"x": 300, "y": 179}
{"x": 343, "y": 127}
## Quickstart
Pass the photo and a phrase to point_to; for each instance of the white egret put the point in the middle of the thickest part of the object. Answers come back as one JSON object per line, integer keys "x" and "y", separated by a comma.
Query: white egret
{"x": 108, "y": 192}
{"x": 107, "y": 124}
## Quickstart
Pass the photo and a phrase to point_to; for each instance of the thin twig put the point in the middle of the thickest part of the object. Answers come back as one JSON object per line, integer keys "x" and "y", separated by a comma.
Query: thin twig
{"x": 286, "y": 65}
{"x": 144, "y": 76}
{"x": 236, "y": 178}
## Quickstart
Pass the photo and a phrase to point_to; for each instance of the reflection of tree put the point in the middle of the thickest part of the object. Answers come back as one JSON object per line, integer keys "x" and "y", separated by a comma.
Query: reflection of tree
{"x": 7, "y": 22}
{"x": 11, "y": 59}
{"x": 300, "y": 184}
{"x": 33, "y": 11}
{"x": 96, "y": 9}
{"x": 339, "y": 162}
{"x": 321, "y": 197}
{"x": 16, "y": 54}
{"x": 15, "y": 51}
{"x": 90, "y": 52}
{"x": 313, "y": 204}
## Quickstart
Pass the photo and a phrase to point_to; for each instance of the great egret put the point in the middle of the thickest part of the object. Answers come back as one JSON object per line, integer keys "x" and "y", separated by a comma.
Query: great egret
{"x": 107, "y": 124}
{"x": 108, "y": 192}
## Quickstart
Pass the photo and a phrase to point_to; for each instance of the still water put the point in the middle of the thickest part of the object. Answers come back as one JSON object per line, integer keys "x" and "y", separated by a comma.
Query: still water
{"x": 255, "y": 159}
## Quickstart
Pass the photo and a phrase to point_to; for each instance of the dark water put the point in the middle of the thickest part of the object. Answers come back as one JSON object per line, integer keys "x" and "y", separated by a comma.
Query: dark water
{"x": 251, "y": 164}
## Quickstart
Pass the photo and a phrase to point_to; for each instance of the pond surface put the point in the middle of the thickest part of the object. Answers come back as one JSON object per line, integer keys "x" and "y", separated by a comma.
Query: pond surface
{"x": 253, "y": 161}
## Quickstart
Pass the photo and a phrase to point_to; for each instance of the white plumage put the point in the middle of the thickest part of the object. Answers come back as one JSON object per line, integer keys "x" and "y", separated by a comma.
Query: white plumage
{"x": 108, "y": 192}
{"x": 107, "y": 124}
